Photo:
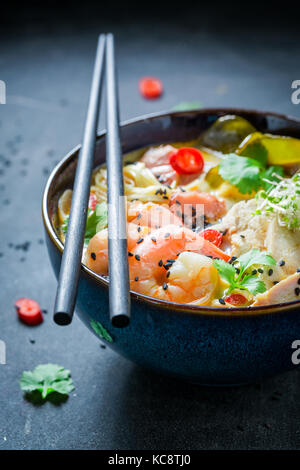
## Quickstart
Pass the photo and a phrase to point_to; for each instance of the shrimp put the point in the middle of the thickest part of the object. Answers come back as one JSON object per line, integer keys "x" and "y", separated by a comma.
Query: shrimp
{"x": 185, "y": 204}
{"x": 157, "y": 160}
{"x": 151, "y": 215}
{"x": 96, "y": 257}
{"x": 166, "y": 250}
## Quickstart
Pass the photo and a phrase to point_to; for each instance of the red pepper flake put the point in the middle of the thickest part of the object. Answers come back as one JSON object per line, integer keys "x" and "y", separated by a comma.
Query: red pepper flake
{"x": 29, "y": 311}
{"x": 92, "y": 201}
{"x": 150, "y": 88}
{"x": 213, "y": 236}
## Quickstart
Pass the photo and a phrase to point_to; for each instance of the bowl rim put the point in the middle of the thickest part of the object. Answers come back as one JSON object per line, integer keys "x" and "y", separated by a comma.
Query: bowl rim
{"x": 174, "y": 307}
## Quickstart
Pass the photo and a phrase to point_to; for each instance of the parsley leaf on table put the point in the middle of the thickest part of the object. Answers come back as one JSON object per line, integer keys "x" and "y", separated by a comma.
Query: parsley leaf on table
{"x": 47, "y": 378}
{"x": 242, "y": 279}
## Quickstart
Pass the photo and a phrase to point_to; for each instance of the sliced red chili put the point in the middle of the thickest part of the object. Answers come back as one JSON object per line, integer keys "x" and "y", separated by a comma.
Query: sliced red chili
{"x": 150, "y": 87}
{"x": 213, "y": 236}
{"x": 187, "y": 161}
{"x": 92, "y": 201}
{"x": 237, "y": 300}
{"x": 29, "y": 311}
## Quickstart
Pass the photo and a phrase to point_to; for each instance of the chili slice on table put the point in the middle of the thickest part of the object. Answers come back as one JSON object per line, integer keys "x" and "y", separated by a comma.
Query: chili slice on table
{"x": 150, "y": 87}
{"x": 213, "y": 236}
{"x": 187, "y": 161}
{"x": 29, "y": 311}
{"x": 237, "y": 300}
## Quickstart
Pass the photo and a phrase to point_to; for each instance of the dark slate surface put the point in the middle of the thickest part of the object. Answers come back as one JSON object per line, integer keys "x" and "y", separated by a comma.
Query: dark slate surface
{"x": 116, "y": 405}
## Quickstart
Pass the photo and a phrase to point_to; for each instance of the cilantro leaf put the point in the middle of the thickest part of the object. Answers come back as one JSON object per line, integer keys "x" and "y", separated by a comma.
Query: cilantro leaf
{"x": 256, "y": 151}
{"x": 255, "y": 257}
{"x": 226, "y": 270}
{"x": 47, "y": 378}
{"x": 239, "y": 278}
{"x": 242, "y": 172}
{"x": 96, "y": 221}
{"x": 248, "y": 174}
{"x": 253, "y": 284}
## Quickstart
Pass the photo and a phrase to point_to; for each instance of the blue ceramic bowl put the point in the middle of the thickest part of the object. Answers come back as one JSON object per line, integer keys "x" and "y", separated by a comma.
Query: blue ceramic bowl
{"x": 211, "y": 346}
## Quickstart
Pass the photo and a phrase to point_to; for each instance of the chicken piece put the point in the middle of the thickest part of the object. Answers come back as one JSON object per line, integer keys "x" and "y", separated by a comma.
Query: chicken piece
{"x": 286, "y": 290}
{"x": 245, "y": 231}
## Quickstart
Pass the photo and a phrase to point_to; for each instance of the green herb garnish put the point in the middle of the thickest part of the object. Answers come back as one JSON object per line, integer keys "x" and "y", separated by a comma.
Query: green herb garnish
{"x": 282, "y": 199}
{"x": 96, "y": 221}
{"x": 240, "y": 275}
{"x": 47, "y": 378}
{"x": 247, "y": 174}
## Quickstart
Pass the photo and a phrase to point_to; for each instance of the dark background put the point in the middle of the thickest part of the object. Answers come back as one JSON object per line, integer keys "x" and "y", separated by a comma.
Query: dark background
{"x": 217, "y": 54}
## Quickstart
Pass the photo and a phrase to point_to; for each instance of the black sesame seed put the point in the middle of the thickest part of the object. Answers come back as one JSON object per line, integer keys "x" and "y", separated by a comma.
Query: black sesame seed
{"x": 297, "y": 291}
{"x": 140, "y": 240}
{"x": 139, "y": 215}
{"x": 270, "y": 272}
{"x": 237, "y": 270}
{"x": 153, "y": 239}
{"x": 275, "y": 282}
{"x": 254, "y": 272}
{"x": 137, "y": 257}
{"x": 167, "y": 235}
{"x": 222, "y": 301}
{"x": 165, "y": 286}
{"x": 136, "y": 278}
{"x": 298, "y": 270}
{"x": 242, "y": 236}
{"x": 168, "y": 274}
{"x": 178, "y": 202}
{"x": 93, "y": 255}
{"x": 167, "y": 266}
{"x": 160, "y": 263}
{"x": 281, "y": 263}
{"x": 139, "y": 229}
{"x": 232, "y": 259}
{"x": 130, "y": 254}
{"x": 171, "y": 261}
{"x": 260, "y": 270}
{"x": 224, "y": 232}
{"x": 298, "y": 282}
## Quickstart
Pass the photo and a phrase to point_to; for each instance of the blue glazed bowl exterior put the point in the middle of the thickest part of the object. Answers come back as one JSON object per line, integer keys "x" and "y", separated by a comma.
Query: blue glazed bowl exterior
{"x": 205, "y": 345}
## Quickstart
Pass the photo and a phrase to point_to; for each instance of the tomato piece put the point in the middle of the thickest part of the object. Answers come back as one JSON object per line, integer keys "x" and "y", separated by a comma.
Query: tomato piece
{"x": 236, "y": 299}
{"x": 150, "y": 88}
{"x": 187, "y": 161}
{"x": 213, "y": 236}
{"x": 92, "y": 201}
{"x": 29, "y": 311}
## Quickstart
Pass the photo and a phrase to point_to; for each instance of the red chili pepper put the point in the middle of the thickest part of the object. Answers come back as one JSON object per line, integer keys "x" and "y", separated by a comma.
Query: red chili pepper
{"x": 187, "y": 161}
{"x": 150, "y": 87}
{"x": 236, "y": 299}
{"x": 213, "y": 236}
{"x": 29, "y": 311}
{"x": 92, "y": 201}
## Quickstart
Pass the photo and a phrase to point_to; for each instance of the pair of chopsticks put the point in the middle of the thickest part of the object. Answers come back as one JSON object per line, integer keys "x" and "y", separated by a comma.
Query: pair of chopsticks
{"x": 119, "y": 296}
